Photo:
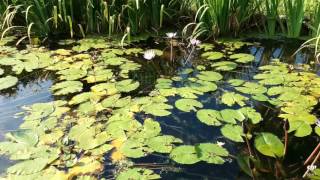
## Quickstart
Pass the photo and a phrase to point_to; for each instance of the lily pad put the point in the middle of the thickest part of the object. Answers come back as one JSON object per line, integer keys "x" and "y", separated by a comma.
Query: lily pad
{"x": 268, "y": 144}
{"x": 211, "y": 153}
{"x": 67, "y": 87}
{"x": 8, "y": 82}
{"x": 185, "y": 155}
{"x": 188, "y": 105}
{"x": 209, "y": 76}
{"x": 242, "y": 57}
{"x": 209, "y": 117}
{"x": 233, "y": 132}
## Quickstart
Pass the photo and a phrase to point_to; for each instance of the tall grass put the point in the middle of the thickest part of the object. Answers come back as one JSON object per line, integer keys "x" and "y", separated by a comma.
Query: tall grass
{"x": 294, "y": 10}
{"x": 316, "y": 20}
{"x": 80, "y": 17}
{"x": 271, "y": 15}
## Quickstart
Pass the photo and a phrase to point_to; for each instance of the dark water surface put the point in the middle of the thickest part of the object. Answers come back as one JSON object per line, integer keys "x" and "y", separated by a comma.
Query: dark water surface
{"x": 34, "y": 88}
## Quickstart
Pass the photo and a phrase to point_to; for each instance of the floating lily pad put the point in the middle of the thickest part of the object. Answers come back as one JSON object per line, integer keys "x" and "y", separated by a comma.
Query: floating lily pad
{"x": 268, "y": 144}
{"x": 8, "y": 82}
{"x": 137, "y": 173}
{"x": 209, "y": 117}
{"x": 209, "y": 76}
{"x": 242, "y": 58}
{"x": 231, "y": 98}
{"x": 233, "y": 132}
{"x": 211, "y": 153}
{"x": 185, "y": 155}
{"x": 224, "y": 66}
{"x": 188, "y": 105}
{"x": 67, "y": 87}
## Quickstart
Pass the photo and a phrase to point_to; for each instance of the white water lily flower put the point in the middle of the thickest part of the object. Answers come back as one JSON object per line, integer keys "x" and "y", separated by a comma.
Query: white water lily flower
{"x": 171, "y": 35}
{"x": 220, "y": 143}
{"x": 195, "y": 42}
{"x": 311, "y": 167}
{"x": 149, "y": 54}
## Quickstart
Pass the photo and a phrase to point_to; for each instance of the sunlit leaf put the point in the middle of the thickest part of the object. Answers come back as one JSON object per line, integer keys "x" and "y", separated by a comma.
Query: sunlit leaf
{"x": 268, "y": 144}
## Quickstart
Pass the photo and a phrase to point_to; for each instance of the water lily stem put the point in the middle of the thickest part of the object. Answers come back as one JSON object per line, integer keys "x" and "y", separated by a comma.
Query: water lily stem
{"x": 285, "y": 128}
{"x": 312, "y": 164}
{"x": 312, "y": 154}
{"x": 171, "y": 50}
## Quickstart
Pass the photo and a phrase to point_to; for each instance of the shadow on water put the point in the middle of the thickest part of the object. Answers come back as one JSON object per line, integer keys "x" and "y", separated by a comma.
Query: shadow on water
{"x": 34, "y": 88}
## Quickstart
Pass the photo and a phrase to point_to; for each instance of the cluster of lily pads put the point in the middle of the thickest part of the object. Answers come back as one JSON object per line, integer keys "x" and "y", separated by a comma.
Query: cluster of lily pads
{"x": 97, "y": 113}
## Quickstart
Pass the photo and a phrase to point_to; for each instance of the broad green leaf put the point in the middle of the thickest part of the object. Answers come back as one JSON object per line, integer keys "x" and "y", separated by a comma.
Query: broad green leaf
{"x": 209, "y": 76}
{"x": 162, "y": 144}
{"x": 157, "y": 109}
{"x": 231, "y": 115}
{"x": 300, "y": 128}
{"x": 27, "y": 137}
{"x": 209, "y": 117}
{"x": 8, "y": 82}
{"x": 251, "y": 114}
{"x": 212, "y": 55}
{"x": 188, "y": 105}
{"x": 233, "y": 132}
{"x": 242, "y": 57}
{"x": 127, "y": 85}
{"x": 72, "y": 74}
{"x": 30, "y": 166}
{"x": 211, "y": 153}
{"x": 231, "y": 98}
{"x": 224, "y": 66}
{"x": 268, "y": 144}
{"x": 185, "y": 155}
{"x": 67, "y": 87}
{"x": 134, "y": 149}
{"x": 137, "y": 174}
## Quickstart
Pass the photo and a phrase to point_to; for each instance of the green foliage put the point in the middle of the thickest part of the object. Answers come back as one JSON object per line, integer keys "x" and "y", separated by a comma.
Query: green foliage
{"x": 270, "y": 145}
{"x": 7, "y": 82}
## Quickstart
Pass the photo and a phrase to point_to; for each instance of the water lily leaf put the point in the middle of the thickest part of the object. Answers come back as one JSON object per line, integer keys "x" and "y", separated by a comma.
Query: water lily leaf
{"x": 209, "y": 76}
{"x": 269, "y": 145}
{"x": 211, "y": 153}
{"x": 251, "y": 114}
{"x": 110, "y": 101}
{"x": 224, "y": 66}
{"x": 8, "y": 82}
{"x": 242, "y": 57}
{"x": 105, "y": 88}
{"x": 157, "y": 109}
{"x": 30, "y": 166}
{"x": 184, "y": 155}
{"x": 134, "y": 149}
{"x": 235, "y": 82}
{"x": 187, "y": 92}
{"x": 63, "y": 52}
{"x": 130, "y": 66}
{"x": 72, "y": 74}
{"x": 301, "y": 128}
{"x": 233, "y": 132}
{"x": 231, "y": 98}
{"x": 115, "y": 61}
{"x": 137, "y": 174}
{"x": 231, "y": 115}
{"x": 99, "y": 75}
{"x": 101, "y": 149}
{"x": 188, "y": 105}
{"x": 27, "y": 137}
{"x": 1, "y": 71}
{"x": 162, "y": 144}
{"x": 206, "y": 46}
{"x": 67, "y": 87}
{"x": 83, "y": 97}
{"x": 252, "y": 88}
{"x": 209, "y": 117}
{"x": 212, "y": 55}
{"x": 127, "y": 85}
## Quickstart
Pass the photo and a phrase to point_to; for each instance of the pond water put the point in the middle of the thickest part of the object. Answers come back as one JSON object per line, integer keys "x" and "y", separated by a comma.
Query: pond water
{"x": 35, "y": 87}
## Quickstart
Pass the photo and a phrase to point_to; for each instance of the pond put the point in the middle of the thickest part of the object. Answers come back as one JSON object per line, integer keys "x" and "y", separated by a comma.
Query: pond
{"x": 92, "y": 109}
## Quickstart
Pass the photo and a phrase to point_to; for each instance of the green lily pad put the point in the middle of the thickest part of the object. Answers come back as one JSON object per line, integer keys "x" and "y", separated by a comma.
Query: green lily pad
{"x": 231, "y": 98}
{"x": 242, "y": 57}
{"x": 188, "y": 105}
{"x": 8, "y": 82}
{"x": 224, "y": 66}
{"x": 162, "y": 144}
{"x": 209, "y": 76}
{"x": 231, "y": 115}
{"x": 211, "y": 153}
{"x": 209, "y": 117}
{"x": 67, "y": 87}
{"x": 185, "y": 155}
{"x": 137, "y": 174}
{"x": 233, "y": 132}
{"x": 269, "y": 145}
{"x": 27, "y": 137}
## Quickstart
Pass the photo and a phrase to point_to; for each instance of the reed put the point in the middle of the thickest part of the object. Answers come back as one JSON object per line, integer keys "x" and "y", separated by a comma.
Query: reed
{"x": 271, "y": 7}
{"x": 294, "y": 10}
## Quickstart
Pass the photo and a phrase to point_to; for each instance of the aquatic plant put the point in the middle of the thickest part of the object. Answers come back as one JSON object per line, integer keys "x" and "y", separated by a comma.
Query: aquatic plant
{"x": 272, "y": 16}
{"x": 294, "y": 15}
